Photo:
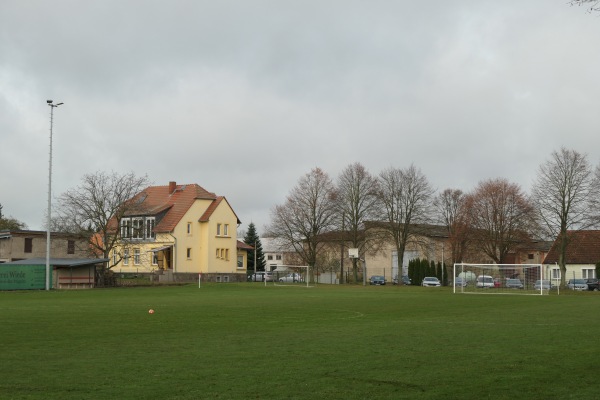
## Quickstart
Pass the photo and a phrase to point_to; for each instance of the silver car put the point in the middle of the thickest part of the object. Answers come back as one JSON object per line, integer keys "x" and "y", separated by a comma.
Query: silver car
{"x": 542, "y": 285}
{"x": 431, "y": 281}
{"x": 577, "y": 284}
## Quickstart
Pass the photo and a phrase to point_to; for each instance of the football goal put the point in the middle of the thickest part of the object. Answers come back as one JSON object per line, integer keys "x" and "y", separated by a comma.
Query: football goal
{"x": 288, "y": 275}
{"x": 500, "y": 279}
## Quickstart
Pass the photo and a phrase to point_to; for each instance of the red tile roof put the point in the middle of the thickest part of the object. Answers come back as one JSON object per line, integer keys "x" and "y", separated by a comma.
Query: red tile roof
{"x": 156, "y": 199}
{"x": 209, "y": 211}
{"x": 243, "y": 246}
{"x": 583, "y": 248}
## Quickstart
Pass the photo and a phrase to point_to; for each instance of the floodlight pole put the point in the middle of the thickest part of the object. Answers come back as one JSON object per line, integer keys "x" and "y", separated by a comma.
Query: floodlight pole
{"x": 49, "y": 213}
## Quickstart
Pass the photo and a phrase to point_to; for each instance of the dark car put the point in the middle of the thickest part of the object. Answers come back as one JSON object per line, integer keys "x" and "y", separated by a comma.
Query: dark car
{"x": 405, "y": 280}
{"x": 514, "y": 284}
{"x": 592, "y": 284}
{"x": 377, "y": 280}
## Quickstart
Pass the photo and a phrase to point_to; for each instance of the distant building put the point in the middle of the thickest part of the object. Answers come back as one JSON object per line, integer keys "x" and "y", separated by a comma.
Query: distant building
{"x": 25, "y": 244}
{"x": 583, "y": 252}
{"x": 277, "y": 254}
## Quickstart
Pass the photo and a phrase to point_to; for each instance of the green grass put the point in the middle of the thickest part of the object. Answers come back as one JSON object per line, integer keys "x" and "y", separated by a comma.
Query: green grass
{"x": 247, "y": 341}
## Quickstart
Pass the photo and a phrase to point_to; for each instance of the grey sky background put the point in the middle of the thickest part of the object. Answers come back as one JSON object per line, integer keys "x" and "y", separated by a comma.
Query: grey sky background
{"x": 245, "y": 97}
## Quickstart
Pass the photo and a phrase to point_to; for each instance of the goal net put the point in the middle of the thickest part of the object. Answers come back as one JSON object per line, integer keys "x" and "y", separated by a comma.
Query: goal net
{"x": 288, "y": 275}
{"x": 500, "y": 279}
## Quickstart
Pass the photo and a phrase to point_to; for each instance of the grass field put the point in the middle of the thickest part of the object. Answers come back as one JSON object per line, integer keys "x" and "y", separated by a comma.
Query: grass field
{"x": 248, "y": 341}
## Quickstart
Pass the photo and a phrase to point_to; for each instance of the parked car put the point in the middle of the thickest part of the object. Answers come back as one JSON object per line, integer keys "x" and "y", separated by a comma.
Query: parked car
{"x": 377, "y": 280}
{"x": 257, "y": 277}
{"x": 593, "y": 284}
{"x": 460, "y": 282}
{"x": 577, "y": 284}
{"x": 269, "y": 276}
{"x": 485, "y": 281}
{"x": 293, "y": 277}
{"x": 514, "y": 283}
{"x": 431, "y": 281}
{"x": 405, "y": 280}
{"x": 542, "y": 285}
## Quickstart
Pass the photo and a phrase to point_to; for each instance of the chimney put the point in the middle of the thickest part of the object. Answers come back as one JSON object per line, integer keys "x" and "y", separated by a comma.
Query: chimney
{"x": 172, "y": 187}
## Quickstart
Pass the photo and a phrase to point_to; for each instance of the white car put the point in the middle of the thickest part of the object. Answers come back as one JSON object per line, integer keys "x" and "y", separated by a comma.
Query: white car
{"x": 485, "y": 281}
{"x": 293, "y": 277}
{"x": 431, "y": 281}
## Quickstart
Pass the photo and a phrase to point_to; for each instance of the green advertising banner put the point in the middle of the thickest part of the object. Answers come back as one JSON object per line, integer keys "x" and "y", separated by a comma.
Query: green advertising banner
{"x": 21, "y": 277}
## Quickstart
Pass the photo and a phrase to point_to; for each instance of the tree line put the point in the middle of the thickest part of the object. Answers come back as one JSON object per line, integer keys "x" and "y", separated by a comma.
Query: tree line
{"x": 494, "y": 217}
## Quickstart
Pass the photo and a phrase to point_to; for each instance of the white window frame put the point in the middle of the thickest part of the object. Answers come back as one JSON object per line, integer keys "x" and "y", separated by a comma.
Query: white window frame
{"x": 154, "y": 258}
{"x": 149, "y": 224}
{"x": 225, "y": 229}
{"x": 218, "y": 229}
{"x": 125, "y": 228}
{"x": 137, "y": 231}
{"x": 555, "y": 273}
{"x": 136, "y": 256}
{"x": 125, "y": 256}
{"x": 588, "y": 273}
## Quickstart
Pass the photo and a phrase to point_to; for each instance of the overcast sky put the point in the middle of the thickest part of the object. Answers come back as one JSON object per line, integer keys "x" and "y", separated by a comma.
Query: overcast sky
{"x": 245, "y": 97}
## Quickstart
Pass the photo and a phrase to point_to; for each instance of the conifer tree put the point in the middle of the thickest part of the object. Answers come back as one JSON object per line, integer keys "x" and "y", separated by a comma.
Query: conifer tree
{"x": 252, "y": 239}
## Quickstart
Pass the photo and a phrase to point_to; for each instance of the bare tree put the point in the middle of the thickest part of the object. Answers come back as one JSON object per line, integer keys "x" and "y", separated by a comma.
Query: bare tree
{"x": 451, "y": 212}
{"x": 97, "y": 205}
{"x": 565, "y": 195}
{"x": 501, "y": 217}
{"x": 358, "y": 203}
{"x": 405, "y": 197}
{"x": 308, "y": 212}
{"x": 591, "y": 5}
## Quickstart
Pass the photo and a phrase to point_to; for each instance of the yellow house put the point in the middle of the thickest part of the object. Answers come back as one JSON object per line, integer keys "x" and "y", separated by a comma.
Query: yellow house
{"x": 180, "y": 231}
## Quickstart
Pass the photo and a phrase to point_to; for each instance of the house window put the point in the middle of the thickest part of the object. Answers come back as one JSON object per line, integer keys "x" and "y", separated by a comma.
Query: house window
{"x": 189, "y": 228}
{"x": 150, "y": 221}
{"x": 530, "y": 256}
{"x": 125, "y": 228}
{"x": 70, "y": 247}
{"x": 278, "y": 257}
{"x": 222, "y": 253}
{"x": 115, "y": 257}
{"x": 28, "y": 245}
{"x": 136, "y": 256}
{"x": 218, "y": 229}
{"x": 225, "y": 230}
{"x": 189, "y": 253}
{"x": 555, "y": 273}
{"x": 227, "y": 254}
{"x": 269, "y": 257}
{"x": 217, "y": 255}
{"x": 240, "y": 262}
{"x": 154, "y": 258}
{"x": 126, "y": 257}
{"x": 588, "y": 273}
{"x": 138, "y": 231}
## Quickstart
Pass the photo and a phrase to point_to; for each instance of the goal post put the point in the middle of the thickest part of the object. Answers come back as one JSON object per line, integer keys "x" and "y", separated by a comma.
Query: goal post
{"x": 500, "y": 279}
{"x": 289, "y": 275}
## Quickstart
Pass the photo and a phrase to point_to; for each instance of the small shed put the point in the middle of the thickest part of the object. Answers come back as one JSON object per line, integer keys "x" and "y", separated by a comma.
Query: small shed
{"x": 67, "y": 273}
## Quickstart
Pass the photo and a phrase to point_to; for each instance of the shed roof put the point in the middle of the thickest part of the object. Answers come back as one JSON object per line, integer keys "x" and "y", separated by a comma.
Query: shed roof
{"x": 59, "y": 262}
